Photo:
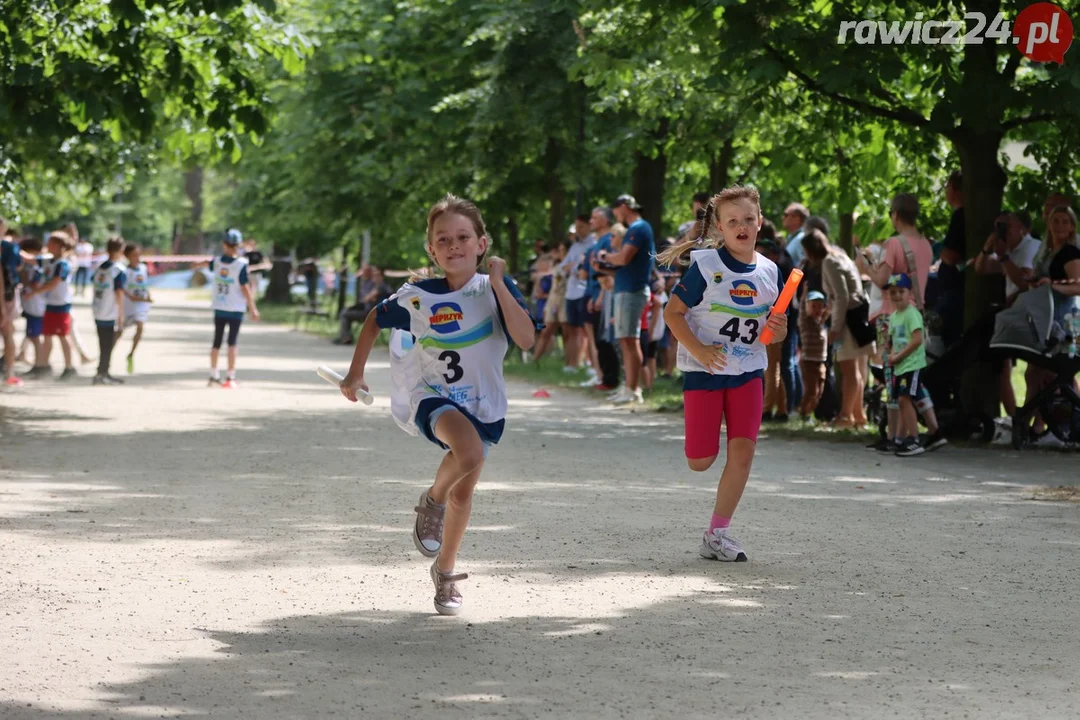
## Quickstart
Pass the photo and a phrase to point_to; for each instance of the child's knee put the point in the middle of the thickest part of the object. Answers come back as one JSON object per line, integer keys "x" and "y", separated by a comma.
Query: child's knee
{"x": 470, "y": 455}
{"x": 700, "y": 464}
{"x": 740, "y": 452}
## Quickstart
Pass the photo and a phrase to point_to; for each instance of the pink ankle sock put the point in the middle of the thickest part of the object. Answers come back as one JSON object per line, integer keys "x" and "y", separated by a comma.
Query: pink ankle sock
{"x": 719, "y": 522}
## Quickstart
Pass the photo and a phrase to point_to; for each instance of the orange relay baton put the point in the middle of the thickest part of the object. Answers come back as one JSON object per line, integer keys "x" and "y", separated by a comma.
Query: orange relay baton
{"x": 782, "y": 302}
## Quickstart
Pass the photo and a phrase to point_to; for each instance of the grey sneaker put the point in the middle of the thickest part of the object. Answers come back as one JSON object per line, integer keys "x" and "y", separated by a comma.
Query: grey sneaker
{"x": 213, "y": 381}
{"x": 718, "y": 545}
{"x": 448, "y": 600}
{"x": 68, "y": 373}
{"x": 100, "y": 380}
{"x": 427, "y": 530}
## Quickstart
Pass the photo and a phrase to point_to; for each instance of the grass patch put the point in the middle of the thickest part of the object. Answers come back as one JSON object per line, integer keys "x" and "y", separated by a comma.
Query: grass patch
{"x": 818, "y": 430}
{"x": 286, "y": 314}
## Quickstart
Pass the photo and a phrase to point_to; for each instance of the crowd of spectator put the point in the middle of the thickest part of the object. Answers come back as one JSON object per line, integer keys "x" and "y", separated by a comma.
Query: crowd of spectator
{"x": 600, "y": 292}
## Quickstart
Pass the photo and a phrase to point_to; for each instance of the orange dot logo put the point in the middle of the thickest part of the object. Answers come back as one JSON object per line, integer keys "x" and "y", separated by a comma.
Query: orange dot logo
{"x": 1043, "y": 32}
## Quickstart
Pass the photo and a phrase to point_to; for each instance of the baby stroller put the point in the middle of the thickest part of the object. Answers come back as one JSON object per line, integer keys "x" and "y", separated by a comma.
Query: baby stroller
{"x": 1042, "y": 329}
{"x": 942, "y": 378}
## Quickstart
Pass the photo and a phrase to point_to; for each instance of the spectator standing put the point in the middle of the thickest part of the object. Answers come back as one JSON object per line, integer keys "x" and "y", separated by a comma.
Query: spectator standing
{"x": 844, "y": 289}
{"x": 815, "y": 356}
{"x": 1010, "y": 253}
{"x": 907, "y": 252}
{"x": 634, "y": 262}
{"x": 697, "y": 205}
{"x": 607, "y": 357}
{"x": 84, "y": 261}
{"x": 775, "y": 405}
{"x": 950, "y": 300}
{"x": 794, "y": 222}
{"x": 555, "y": 308}
{"x": 258, "y": 264}
{"x": 577, "y": 287}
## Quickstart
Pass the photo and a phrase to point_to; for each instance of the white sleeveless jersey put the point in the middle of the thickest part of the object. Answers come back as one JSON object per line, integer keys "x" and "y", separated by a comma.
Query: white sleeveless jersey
{"x": 732, "y": 312}
{"x": 457, "y": 353}
{"x": 228, "y": 293}
{"x": 137, "y": 279}
{"x": 34, "y": 306}
{"x": 104, "y": 282}
{"x": 61, "y": 294}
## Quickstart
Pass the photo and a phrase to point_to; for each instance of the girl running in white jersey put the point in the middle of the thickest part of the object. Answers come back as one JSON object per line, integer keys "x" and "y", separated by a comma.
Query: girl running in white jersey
{"x": 447, "y": 369}
{"x": 717, "y": 313}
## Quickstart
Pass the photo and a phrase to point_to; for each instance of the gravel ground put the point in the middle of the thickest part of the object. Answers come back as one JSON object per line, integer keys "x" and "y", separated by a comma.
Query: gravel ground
{"x": 172, "y": 550}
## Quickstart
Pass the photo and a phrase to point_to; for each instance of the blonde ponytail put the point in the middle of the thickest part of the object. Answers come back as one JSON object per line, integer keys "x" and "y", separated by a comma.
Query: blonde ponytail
{"x": 702, "y": 235}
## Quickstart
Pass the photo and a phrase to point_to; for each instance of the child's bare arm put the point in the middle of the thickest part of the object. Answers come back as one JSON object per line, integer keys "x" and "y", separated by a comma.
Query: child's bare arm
{"x": 354, "y": 380}
{"x": 912, "y": 346}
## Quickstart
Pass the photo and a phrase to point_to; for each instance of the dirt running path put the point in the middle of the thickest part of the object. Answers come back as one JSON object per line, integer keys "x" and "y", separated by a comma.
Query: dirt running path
{"x": 171, "y": 551}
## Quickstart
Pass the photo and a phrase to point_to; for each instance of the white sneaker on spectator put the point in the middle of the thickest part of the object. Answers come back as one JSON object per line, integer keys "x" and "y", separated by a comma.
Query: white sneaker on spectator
{"x": 1049, "y": 440}
{"x": 623, "y": 397}
{"x": 569, "y": 369}
{"x": 593, "y": 379}
{"x": 718, "y": 545}
{"x": 619, "y": 392}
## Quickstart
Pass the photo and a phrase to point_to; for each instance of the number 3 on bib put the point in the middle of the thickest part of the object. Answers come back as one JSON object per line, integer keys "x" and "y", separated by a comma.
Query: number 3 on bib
{"x": 734, "y": 328}
{"x": 453, "y": 366}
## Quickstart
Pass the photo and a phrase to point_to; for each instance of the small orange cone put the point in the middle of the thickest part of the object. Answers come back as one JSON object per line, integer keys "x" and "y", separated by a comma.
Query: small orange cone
{"x": 541, "y": 393}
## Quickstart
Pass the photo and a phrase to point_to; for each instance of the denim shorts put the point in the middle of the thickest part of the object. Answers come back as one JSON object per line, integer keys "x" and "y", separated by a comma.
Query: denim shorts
{"x": 628, "y": 309}
{"x": 431, "y": 409}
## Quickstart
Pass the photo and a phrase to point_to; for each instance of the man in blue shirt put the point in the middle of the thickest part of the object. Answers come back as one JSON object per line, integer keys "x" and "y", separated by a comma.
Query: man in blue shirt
{"x": 794, "y": 222}
{"x": 634, "y": 263}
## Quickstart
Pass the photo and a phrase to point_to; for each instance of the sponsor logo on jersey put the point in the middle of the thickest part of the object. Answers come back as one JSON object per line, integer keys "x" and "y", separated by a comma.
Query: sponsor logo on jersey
{"x": 224, "y": 272}
{"x": 446, "y": 318}
{"x": 743, "y": 292}
{"x": 415, "y": 302}
{"x": 718, "y": 277}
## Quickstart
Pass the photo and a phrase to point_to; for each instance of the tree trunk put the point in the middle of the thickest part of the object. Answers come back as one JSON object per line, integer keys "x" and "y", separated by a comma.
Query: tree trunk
{"x": 191, "y": 237}
{"x": 720, "y": 166}
{"x": 984, "y": 187}
{"x": 650, "y": 174}
{"x": 847, "y": 227}
{"x": 555, "y": 191}
{"x": 277, "y": 291}
{"x": 513, "y": 234}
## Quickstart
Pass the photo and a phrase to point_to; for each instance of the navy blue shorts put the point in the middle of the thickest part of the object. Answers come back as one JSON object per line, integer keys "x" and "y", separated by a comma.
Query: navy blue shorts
{"x": 430, "y": 409}
{"x": 34, "y": 326}
{"x": 575, "y": 312}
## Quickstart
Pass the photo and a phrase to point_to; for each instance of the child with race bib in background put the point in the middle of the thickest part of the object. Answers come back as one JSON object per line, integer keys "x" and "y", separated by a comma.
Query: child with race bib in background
{"x": 232, "y": 295}
{"x": 58, "y": 298}
{"x": 108, "y": 307}
{"x": 33, "y": 306}
{"x": 717, "y": 313}
{"x": 137, "y": 292}
{"x": 448, "y": 382}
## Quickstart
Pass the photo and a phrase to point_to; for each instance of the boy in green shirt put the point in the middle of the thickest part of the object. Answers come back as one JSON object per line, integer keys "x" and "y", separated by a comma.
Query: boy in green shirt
{"x": 907, "y": 356}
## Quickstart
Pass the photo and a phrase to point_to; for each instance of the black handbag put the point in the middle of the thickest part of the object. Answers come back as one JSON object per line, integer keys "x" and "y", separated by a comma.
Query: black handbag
{"x": 858, "y": 322}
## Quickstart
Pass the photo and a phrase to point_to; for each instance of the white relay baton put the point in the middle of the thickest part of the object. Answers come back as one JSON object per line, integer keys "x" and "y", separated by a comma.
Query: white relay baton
{"x": 334, "y": 379}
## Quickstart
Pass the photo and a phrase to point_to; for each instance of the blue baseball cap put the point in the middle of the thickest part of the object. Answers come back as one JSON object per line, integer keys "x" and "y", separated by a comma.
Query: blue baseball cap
{"x": 899, "y": 280}
{"x": 233, "y": 237}
{"x": 815, "y": 295}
